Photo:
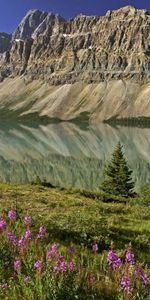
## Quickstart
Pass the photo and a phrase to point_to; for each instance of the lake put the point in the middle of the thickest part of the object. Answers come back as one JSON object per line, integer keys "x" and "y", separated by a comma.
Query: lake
{"x": 68, "y": 155}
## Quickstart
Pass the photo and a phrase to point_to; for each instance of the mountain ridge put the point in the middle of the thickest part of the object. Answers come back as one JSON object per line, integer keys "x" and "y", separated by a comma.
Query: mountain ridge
{"x": 105, "y": 52}
{"x": 102, "y": 46}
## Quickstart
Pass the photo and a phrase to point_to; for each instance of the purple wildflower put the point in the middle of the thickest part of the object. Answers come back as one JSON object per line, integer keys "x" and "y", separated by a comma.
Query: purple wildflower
{"x": 145, "y": 279}
{"x": 27, "y": 279}
{"x": 54, "y": 248}
{"x": 28, "y": 235}
{"x": 2, "y": 224}
{"x": 28, "y": 220}
{"x": 56, "y": 269}
{"x": 41, "y": 233}
{"x": 72, "y": 265}
{"x": 39, "y": 237}
{"x": 63, "y": 266}
{"x": 38, "y": 265}
{"x": 12, "y": 215}
{"x": 95, "y": 247}
{"x": 21, "y": 242}
{"x": 17, "y": 265}
{"x": 49, "y": 254}
{"x": 129, "y": 257}
{"x": 126, "y": 284}
{"x": 113, "y": 260}
{"x": 12, "y": 238}
{"x": 60, "y": 258}
{"x": 42, "y": 230}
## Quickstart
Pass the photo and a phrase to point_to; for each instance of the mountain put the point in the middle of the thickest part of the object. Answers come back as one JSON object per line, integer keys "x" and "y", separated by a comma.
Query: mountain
{"x": 5, "y": 42}
{"x": 89, "y": 64}
{"x": 29, "y": 24}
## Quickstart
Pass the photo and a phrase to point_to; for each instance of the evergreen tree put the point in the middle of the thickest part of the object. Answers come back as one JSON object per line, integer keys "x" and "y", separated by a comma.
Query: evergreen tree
{"x": 118, "y": 179}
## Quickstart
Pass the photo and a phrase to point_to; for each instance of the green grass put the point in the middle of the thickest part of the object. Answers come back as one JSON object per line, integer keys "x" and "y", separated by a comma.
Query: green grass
{"x": 76, "y": 216}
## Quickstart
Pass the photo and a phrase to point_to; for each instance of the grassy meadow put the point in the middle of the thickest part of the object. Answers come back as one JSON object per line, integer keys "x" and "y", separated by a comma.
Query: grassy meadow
{"x": 78, "y": 219}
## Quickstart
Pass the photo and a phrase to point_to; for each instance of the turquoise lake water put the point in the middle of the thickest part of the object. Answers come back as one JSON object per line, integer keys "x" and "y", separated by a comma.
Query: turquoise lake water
{"x": 69, "y": 155}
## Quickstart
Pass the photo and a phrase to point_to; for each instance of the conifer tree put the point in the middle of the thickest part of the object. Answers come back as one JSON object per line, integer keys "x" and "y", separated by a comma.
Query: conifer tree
{"x": 118, "y": 176}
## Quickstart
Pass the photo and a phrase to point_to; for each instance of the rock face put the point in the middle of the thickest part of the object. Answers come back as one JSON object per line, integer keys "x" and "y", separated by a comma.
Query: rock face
{"x": 87, "y": 49}
{"x": 29, "y": 24}
{"x": 5, "y": 42}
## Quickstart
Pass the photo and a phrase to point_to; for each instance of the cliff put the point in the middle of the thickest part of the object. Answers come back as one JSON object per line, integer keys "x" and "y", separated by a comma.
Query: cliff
{"x": 97, "y": 65}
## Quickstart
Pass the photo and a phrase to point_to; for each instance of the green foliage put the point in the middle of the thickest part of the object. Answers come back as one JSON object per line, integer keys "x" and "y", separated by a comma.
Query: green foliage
{"x": 38, "y": 181}
{"x": 105, "y": 197}
{"x": 65, "y": 272}
{"x": 118, "y": 180}
{"x": 43, "y": 182}
{"x": 84, "y": 217}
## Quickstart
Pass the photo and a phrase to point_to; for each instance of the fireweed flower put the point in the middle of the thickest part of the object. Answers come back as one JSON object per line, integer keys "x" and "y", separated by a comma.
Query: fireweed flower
{"x": 54, "y": 248}
{"x": 41, "y": 233}
{"x": 60, "y": 258}
{"x": 28, "y": 235}
{"x": 72, "y": 265}
{"x": 113, "y": 260}
{"x": 27, "y": 279}
{"x": 56, "y": 269}
{"x": 17, "y": 265}
{"x": 39, "y": 237}
{"x": 38, "y": 265}
{"x": 42, "y": 230}
{"x": 24, "y": 239}
{"x": 126, "y": 284}
{"x": 145, "y": 279}
{"x": 2, "y": 224}
{"x": 63, "y": 266}
{"x": 49, "y": 254}
{"x": 12, "y": 215}
{"x": 129, "y": 257}
{"x": 21, "y": 242}
{"x": 28, "y": 220}
{"x": 95, "y": 247}
{"x": 12, "y": 238}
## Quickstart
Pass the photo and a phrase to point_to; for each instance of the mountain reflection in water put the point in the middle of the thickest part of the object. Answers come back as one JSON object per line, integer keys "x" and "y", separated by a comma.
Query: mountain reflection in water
{"x": 66, "y": 155}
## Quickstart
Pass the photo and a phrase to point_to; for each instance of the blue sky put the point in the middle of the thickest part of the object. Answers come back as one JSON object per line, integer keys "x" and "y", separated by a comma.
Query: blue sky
{"x": 12, "y": 11}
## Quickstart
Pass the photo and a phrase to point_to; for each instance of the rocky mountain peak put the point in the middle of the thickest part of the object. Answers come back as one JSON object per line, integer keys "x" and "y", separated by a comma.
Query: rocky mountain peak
{"x": 29, "y": 23}
{"x": 49, "y": 25}
{"x": 127, "y": 11}
{"x": 98, "y": 65}
{"x": 89, "y": 48}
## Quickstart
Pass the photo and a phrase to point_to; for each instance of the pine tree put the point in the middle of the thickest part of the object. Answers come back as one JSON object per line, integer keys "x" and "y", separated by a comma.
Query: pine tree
{"x": 118, "y": 176}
